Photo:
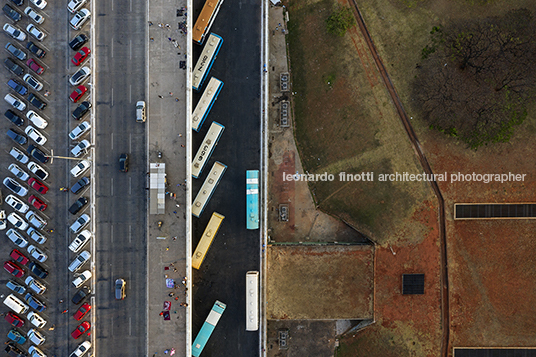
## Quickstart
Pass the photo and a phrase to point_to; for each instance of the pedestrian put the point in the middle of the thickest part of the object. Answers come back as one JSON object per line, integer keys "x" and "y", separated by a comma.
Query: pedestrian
{"x": 65, "y": 311}
{"x": 177, "y": 298}
{"x": 184, "y": 304}
{"x": 159, "y": 96}
{"x": 162, "y": 313}
{"x": 177, "y": 99}
{"x": 151, "y": 39}
{"x": 150, "y": 23}
{"x": 167, "y": 248}
{"x": 182, "y": 145}
{"x": 160, "y": 25}
{"x": 52, "y": 328}
{"x": 47, "y": 93}
{"x": 171, "y": 294}
{"x": 175, "y": 212}
{"x": 175, "y": 270}
{"x": 171, "y": 94}
{"x": 181, "y": 137}
{"x": 61, "y": 301}
{"x": 169, "y": 38}
{"x": 168, "y": 27}
{"x": 175, "y": 238}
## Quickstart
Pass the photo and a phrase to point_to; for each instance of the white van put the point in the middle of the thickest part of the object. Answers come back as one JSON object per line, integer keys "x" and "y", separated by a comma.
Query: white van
{"x": 15, "y": 304}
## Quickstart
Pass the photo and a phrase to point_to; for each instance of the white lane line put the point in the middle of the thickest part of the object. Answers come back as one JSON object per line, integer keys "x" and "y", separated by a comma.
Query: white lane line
{"x": 130, "y": 93}
{"x": 130, "y": 48}
{"x": 112, "y": 232}
{"x": 112, "y": 47}
{"x": 112, "y": 140}
{"x": 130, "y": 142}
{"x": 112, "y": 97}
{"x": 112, "y": 327}
{"x": 130, "y": 185}
{"x": 112, "y": 5}
{"x": 130, "y": 5}
{"x": 130, "y": 233}
{"x": 130, "y": 318}
{"x": 112, "y": 187}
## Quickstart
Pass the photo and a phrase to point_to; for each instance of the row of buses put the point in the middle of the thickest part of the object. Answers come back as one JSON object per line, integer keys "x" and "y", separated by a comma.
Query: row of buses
{"x": 212, "y": 44}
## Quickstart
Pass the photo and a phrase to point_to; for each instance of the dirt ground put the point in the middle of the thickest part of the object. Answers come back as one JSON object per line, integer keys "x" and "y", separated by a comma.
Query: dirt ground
{"x": 320, "y": 282}
{"x": 306, "y": 338}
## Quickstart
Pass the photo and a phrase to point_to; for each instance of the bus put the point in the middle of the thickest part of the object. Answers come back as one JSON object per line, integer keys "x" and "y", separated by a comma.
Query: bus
{"x": 205, "y": 103}
{"x": 206, "y": 240}
{"x": 207, "y": 147}
{"x": 208, "y": 327}
{"x": 252, "y": 199}
{"x": 206, "y": 18}
{"x": 206, "y": 60}
{"x": 208, "y": 188}
{"x": 252, "y": 301}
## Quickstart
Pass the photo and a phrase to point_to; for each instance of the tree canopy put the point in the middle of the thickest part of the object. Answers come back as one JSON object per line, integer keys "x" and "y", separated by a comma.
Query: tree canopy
{"x": 478, "y": 76}
{"x": 340, "y": 20}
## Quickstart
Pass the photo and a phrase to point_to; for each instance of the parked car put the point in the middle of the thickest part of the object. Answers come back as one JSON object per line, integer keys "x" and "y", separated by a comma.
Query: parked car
{"x": 82, "y": 311}
{"x": 81, "y": 110}
{"x": 81, "y": 329}
{"x": 80, "y": 75}
{"x": 79, "y": 19}
{"x": 14, "y": 269}
{"x": 14, "y": 319}
{"x": 36, "y": 319}
{"x": 13, "y": 67}
{"x": 79, "y": 261}
{"x": 14, "y": 32}
{"x": 13, "y": 351}
{"x": 17, "y": 204}
{"x": 120, "y": 287}
{"x": 78, "y": 93}
{"x": 38, "y": 270}
{"x": 36, "y": 352}
{"x": 17, "y": 87}
{"x": 80, "y": 184}
{"x": 81, "y": 278}
{"x": 37, "y": 253}
{"x": 32, "y": 82}
{"x": 80, "y": 223}
{"x": 17, "y": 2}
{"x": 35, "y": 32}
{"x": 35, "y": 303}
{"x": 37, "y": 185}
{"x": 11, "y": 48}
{"x": 37, "y": 154}
{"x": 15, "y": 187}
{"x": 17, "y": 137}
{"x": 18, "y": 172}
{"x": 78, "y": 205}
{"x": 15, "y": 102}
{"x": 37, "y": 236}
{"x": 18, "y": 257}
{"x": 11, "y": 13}
{"x": 123, "y": 163}
{"x": 35, "y": 285}
{"x": 80, "y": 148}
{"x": 80, "y": 56}
{"x": 16, "y": 336}
{"x": 83, "y": 347}
{"x": 81, "y": 295}
{"x": 18, "y": 155}
{"x": 80, "y": 240}
{"x": 40, "y": 4}
{"x": 140, "y": 111}
{"x": 16, "y": 287}
{"x": 36, "y": 119}
{"x": 37, "y": 170}
{"x": 14, "y": 118}
{"x": 80, "y": 130}
{"x": 35, "y": 220}
{"x": 37, "y": 203}
{"x": 36, "y": 102}
{"x": 16, "y": 238}
{"x": 35, "y": 337}
{"x": 77, "y": 42}
{"x": 35, "y": 135}
{"x": 32, "y": 14}
{"x": 75, "y": 5}
{"x": 36, "y": 50}
{"x": 34, "y": 66}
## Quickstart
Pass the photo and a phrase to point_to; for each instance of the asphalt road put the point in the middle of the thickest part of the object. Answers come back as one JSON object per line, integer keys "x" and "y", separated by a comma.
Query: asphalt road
{"x": 235, "y": 250}
{"x": 121, "y": 197}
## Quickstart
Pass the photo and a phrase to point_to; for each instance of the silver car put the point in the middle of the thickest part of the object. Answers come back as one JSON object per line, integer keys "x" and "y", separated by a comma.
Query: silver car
{"x": 35, "y": 220}
{"x": 79, "y": 76}
{"x": 80, "y": 223}
{"x": 16, "y": 238}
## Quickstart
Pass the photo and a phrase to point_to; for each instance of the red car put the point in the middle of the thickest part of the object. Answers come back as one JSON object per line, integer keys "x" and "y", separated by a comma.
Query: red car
{"x": 14, "y": 269}
{"x": 80, "y": 56}
{"x": 77, "y": 93}
{"x": 82, "y": 311}
{"x": 19, "y": 257}
{"x": 14, "y": 320}
{"x": 81, "y": 329}
{"x": 37, "y": 203}
{"x": 37, "y": 185}
{"x": 34, "y": 66}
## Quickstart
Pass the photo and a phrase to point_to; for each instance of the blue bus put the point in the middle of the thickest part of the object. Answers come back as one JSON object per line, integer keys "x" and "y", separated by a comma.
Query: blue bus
{"x": 208, "y": 327}
{"x": 252, "y": 199}
{"x": 206, "y": 60}
{"x": 205, "y": 103}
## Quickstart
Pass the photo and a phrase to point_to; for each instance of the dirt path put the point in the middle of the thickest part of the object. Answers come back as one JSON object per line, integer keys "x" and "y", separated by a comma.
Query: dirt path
{"x": 426, "y": 166}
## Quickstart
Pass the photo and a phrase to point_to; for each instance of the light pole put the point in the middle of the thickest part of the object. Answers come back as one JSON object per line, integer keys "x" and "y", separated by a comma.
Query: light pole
{"x": 52, "y": 157}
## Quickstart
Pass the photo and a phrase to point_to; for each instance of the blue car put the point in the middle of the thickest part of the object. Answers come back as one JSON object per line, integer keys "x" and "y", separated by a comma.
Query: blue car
{"x": 16, "y": 336}
{"x": 34, "y": 303}
{"x": 17, "y": 87}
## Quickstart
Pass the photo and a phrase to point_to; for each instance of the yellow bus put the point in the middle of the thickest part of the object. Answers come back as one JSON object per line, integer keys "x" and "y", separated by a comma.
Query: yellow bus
{"x": 206, "y": 18}
{"x": 206, "y": 240}
{"x": 208, "y": 188}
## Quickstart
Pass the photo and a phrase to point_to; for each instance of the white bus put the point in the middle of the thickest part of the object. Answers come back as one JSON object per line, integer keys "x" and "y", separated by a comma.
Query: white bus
{"x": 205, "y": 20}
{"x": 252, "y": 301}
{"x": 206, "y": 60}
{"x": 208, "y": 188}
{"x": 206, "y": 102}
{"x": 207, "y": 147}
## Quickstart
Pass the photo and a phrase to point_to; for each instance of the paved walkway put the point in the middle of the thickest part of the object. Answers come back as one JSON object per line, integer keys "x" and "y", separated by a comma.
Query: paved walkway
{"x": 166, "y": 124}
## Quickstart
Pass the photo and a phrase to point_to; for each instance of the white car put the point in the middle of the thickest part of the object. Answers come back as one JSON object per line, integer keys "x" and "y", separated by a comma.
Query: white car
{"x": 15, "y": 187}
{"x": 74, "y": 5}
{"x": 81, "y": 148}
{"x": 17, "y": 221}
{"x": 79, "y": 76}
{"x": 32, "y": 82}
{"x": 36, "y": 352}
{"x": 37, "y": 236}
{"x": 140, "y": 111}
{"x": 18, "y": 172}
{"x": 32, "y": 14}
{"x": 18, "y": 155}
{"x": 15, "y": 102}
{"x": 15, "y": 32}
{"x": 81, "y": 349}
{"x": 40, "y": 4}
{"x": 35, "y": 135}
{"x": 80, "y": 130}
{"x": 17, "y": 204}
{"x": 16, "y": 238}
{"x": 35, "y": 285}
{"x": 38, "y": 170}
{"x": 79, "y": 261}
{"x": 35, "y": 319}
{"x": 35, "y": 32}
{"x": 81, "y": 240}
{"x": 79, "y": 18}
{"x": 37, "y": 253}
{"x": 82, "y": 278}
{"x": 35, "y": 337}
{"x": 80, "y": 223}
{"x": 80, "y": 168}
{"x": 36, "y": 119}
{"x": 35, "y": 220}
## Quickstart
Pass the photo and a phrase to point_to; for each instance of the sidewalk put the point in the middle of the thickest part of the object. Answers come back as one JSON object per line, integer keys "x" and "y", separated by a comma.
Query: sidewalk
{"x": 166, "y": 125}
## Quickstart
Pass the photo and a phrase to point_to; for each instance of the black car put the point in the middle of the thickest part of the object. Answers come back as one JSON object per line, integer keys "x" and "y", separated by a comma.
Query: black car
{"x": 14, "y": 118}
{"x": 13, "y": 67}
{"x": 13, "y": 351}
{"x": 80, "y": 184}
{"x": 37, "y": 270}
{"x": 11, "y": 48}
{"x": 36, "y": 102}
{"x": 78, "y": 205}
{"x": 17, "y": 137}
{"x": 18, "y": 2}
{"x": 11, "y": 13}
{"x": 37, "y": 154}
{"x": 81, "y": 295}
{"x": 77, "y": 42}
{"x": 81, "y": 110}
{"x": 123, "y": 162}
{"x": 36, "y": 50}
{"x": 17, "y": 87}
